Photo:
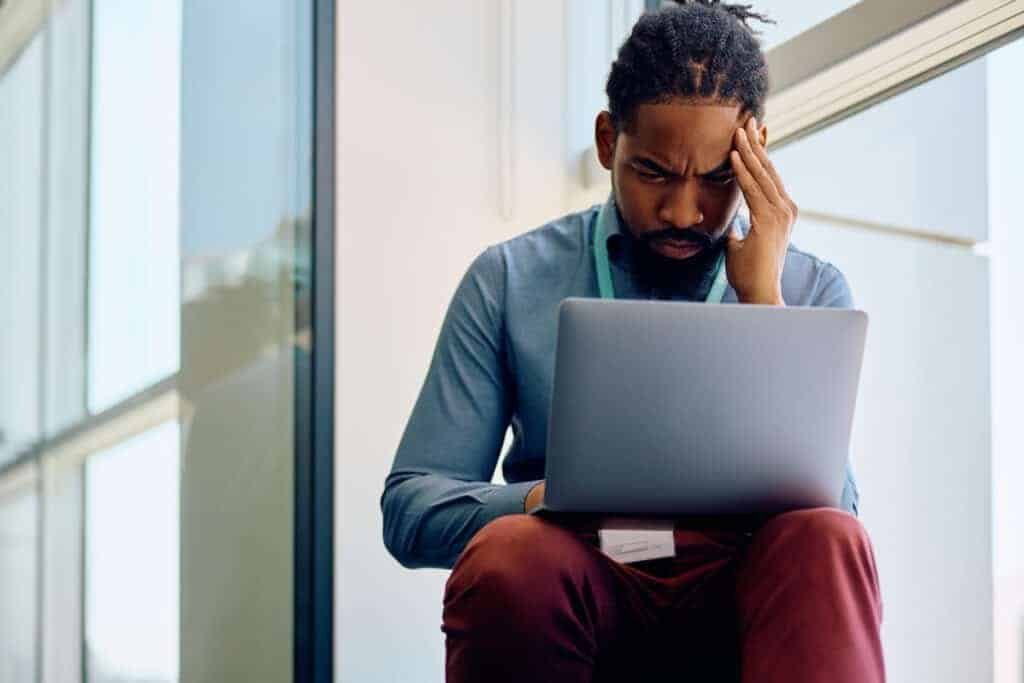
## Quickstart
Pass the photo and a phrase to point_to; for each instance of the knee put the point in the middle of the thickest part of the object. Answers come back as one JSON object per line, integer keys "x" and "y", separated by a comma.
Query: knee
{"x": 807, "y": 533}
{"x": 822, "y": 524}
{"x": 512, "y": 555}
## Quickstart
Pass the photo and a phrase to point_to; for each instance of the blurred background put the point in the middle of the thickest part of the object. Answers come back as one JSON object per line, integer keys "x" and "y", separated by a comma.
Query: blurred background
{"x": 181, "y": 230}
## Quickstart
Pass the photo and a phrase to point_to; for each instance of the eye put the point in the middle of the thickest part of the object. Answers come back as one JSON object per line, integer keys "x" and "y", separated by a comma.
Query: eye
{"x": 650, "y": 176}
{"x": 721, "y": 180}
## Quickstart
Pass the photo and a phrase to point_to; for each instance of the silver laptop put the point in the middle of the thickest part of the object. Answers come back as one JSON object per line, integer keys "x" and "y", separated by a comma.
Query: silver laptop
{"x": 674, "y": 409}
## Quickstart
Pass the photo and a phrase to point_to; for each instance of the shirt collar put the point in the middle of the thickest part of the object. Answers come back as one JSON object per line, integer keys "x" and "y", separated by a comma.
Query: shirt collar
{"x": 618, "y": 239}
{"x": 612, "y": 225}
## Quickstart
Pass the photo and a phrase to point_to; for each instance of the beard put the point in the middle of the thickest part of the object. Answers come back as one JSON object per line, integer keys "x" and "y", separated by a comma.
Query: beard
{"x": 689, "y": 276}
{"x": 656, "y": 270}
{"x": 665, "y": 272}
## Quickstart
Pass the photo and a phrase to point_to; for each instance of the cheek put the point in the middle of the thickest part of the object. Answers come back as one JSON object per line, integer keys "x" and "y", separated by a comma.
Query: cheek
{"x": 639, "y": 190}
{"x": 637, "y": 200}
{"x": 721, "y": 203}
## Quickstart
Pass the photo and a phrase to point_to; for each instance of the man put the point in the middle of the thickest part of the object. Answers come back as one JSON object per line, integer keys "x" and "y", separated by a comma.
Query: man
{"x": 795, "y": 599}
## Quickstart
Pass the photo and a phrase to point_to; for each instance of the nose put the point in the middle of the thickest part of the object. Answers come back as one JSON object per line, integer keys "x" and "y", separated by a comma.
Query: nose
{"x": 680, "y": 206}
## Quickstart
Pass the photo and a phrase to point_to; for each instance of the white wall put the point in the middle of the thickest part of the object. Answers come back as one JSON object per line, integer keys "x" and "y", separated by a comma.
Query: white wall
{"x": 420, "y": 166}
{"x": 417, "y": 199}
{"x": 1006, "y": 149}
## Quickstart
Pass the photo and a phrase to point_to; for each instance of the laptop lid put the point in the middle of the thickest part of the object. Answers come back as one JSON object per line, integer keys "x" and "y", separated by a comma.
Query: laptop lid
{"x": 668, "y": 408}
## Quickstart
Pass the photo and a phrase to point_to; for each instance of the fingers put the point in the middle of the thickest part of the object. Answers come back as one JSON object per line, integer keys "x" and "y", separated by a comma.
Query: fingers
{"x": 751, "y": 189}
{"x": 755, "y": 166}
{"x": 754, "y": 137}
{"x": 751, "y": 137}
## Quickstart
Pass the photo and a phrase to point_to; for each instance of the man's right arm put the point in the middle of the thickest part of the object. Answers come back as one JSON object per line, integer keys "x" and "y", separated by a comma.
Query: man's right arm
{"x": 438, "y": 494}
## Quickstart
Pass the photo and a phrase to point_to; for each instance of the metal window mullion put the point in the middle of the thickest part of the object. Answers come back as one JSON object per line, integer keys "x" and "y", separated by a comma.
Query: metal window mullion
{"x": 314, "y": 390}
{"x": 43, "y": 358}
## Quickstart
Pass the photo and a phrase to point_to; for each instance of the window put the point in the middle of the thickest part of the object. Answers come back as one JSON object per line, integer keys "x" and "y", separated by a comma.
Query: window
{"x": 133, "y": 275}
{"x": 21, "y": 165}
{"x": 149, "y": 147}
{"x": 19, "y": 554}
{"x": 131, "y": 560}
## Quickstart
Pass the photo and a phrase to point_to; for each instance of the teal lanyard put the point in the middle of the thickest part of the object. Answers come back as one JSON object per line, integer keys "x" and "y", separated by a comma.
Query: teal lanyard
{"x": 604, "y": 271}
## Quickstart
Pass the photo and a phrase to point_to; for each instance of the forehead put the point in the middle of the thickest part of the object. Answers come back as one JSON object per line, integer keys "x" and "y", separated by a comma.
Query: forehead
{"x": 684, "y": 129}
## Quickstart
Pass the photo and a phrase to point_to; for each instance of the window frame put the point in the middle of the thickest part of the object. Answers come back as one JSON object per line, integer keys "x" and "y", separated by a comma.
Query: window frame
{"x": 65, "y": 451}
{"x": 925, "y": 40}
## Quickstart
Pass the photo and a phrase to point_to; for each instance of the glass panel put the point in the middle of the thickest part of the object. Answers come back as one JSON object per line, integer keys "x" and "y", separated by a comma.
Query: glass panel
{"x": 96, "y": 113}
{"x": 67, "y": 215}
{"x": 18, "y": 585}
{"x": 133, "y": 274}
{"x": 131, "y": 560}
{"x": 246, "y": 163}
{"x": 21, "y": 168}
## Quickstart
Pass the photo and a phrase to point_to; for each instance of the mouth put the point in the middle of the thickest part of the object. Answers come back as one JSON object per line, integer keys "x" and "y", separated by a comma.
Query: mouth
{"x": 677, "y": 249}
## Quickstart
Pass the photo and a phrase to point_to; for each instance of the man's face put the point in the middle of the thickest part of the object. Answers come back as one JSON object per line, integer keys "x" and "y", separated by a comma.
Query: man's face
{"x": 671, "y": 174}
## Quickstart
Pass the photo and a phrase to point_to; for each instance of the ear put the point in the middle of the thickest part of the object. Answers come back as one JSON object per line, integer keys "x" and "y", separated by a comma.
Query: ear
{"x": 605, "y": 136}
{"x": 763, "y": 134}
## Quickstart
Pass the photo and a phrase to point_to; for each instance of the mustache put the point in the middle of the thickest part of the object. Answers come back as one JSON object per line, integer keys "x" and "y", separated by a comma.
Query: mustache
{"x": 687, "y": 234}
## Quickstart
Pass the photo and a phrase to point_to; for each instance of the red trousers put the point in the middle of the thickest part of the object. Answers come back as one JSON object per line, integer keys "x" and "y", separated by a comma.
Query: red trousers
{"x": 796, "y": 601}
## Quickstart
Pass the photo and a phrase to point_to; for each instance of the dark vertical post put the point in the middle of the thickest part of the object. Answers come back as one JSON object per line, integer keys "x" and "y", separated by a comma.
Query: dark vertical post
{"x": 314, "y": 385}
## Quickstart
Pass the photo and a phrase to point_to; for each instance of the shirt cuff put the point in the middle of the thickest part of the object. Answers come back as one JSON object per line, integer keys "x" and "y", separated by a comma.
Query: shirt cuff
{"x": 509, "y": 499}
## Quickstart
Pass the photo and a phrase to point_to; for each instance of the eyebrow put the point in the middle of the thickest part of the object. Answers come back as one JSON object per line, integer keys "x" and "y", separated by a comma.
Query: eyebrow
{"x": 721, "y": 169}
{"x": 651, "y": 165}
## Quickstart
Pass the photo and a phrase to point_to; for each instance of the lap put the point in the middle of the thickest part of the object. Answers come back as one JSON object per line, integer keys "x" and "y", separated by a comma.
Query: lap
{"x": 668, "y": 619}
{"x": 672, "y": 600}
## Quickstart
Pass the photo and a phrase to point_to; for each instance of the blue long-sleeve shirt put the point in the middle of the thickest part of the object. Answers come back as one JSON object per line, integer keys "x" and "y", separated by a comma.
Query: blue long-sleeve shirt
{"x": 493, "y": 366}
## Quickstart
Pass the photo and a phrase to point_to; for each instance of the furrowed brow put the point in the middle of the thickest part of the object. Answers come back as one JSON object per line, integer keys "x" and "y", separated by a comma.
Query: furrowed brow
{"x": 651, "y": 165}
{"x": 723, "y": 168}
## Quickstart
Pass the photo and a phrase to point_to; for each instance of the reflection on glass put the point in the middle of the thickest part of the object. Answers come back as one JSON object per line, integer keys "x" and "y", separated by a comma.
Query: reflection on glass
{"x": 131, "y": 560}
{"x": 133, "y": 283}
{"x": 18, "y": 584}
{"x": 21, "y": 106}
{"x": 246, "y": 153}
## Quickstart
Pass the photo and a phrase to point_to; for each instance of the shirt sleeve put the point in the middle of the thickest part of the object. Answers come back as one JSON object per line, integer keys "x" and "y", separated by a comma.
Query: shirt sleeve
{"x": 833, "y": 291}
{"x": 438, "y": 493}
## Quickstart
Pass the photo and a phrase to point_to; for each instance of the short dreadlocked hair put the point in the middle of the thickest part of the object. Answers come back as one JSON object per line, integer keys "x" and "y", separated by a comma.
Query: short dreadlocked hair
{"x": 695, "y": 49}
